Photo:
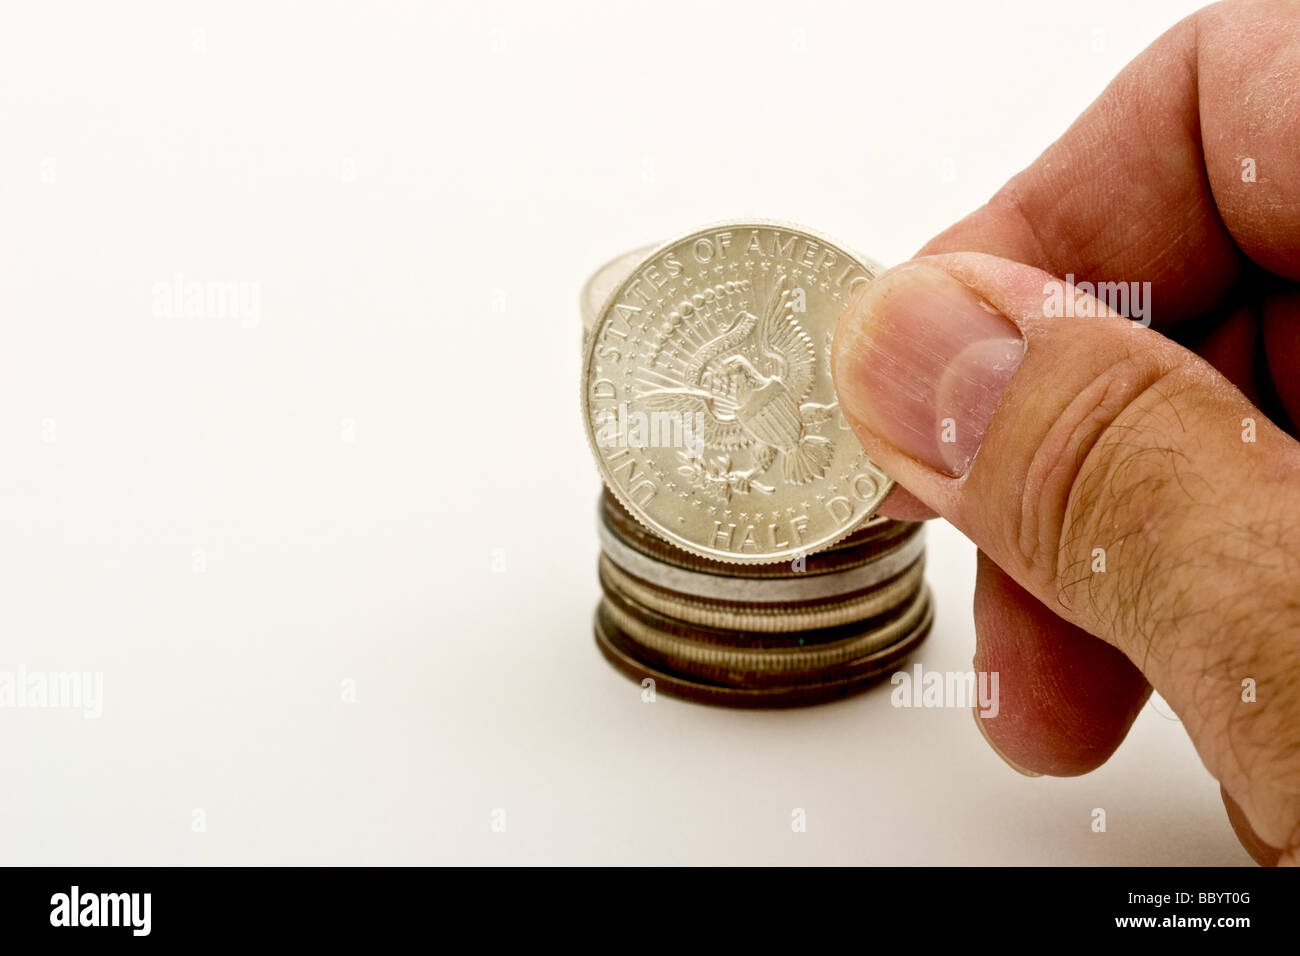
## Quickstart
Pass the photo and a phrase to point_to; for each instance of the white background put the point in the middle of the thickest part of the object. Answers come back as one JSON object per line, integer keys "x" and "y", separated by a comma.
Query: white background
{"x": 385, "y": 174}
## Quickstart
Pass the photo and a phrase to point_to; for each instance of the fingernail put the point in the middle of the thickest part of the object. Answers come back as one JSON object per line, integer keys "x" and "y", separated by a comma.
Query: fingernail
{"x": 975, "y": 712}
{"x": 922, "y": 363}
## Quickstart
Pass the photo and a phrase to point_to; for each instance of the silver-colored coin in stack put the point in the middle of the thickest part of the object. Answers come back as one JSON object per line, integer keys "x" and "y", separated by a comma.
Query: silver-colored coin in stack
{"x": 760, "y": 635}
{"x": 743, "y": 566}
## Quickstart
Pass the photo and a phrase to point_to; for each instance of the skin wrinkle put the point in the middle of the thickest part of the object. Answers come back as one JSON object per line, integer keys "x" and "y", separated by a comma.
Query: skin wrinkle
{"x": 1063, "y": 467}
{"x": 1008, "y": 198}
{"x": 1059, "y": 459}
{"x": 1099, "y": 188}
{"x": 1084, "y": 242}
{"x": 1102, "y": 487}
{"x": 1135, "y": 97}
{"x": 1167, "y": 262}
{"x": 1079, "y": 242}
{"x": 1160, "y": 253}
{"x": 1172, "y": 242}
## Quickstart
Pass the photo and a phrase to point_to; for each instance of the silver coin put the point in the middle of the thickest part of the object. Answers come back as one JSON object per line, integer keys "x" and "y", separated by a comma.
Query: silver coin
{"x": 625, "y": 655}
{"x": 761, "y": 590}
{"x": 708, "y": 399}
{"x": 783, "y": 618}
{"x": 603, "y": 282}
{"x": 817, "y": 661}
{"x": 868, "y": 542}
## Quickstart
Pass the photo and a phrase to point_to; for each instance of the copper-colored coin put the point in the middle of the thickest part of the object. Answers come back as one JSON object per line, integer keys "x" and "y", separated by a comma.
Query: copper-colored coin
{"x": 623, "y": 655}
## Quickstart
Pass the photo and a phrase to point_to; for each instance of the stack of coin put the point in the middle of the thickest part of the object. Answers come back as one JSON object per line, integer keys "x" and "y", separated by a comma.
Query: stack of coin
{"x": 741, "y": 561}
{"x": 760, "y": 635}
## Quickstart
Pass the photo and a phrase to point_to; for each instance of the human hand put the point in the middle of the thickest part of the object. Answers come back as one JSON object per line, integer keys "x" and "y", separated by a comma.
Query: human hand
{"x": 1134, "y": 492}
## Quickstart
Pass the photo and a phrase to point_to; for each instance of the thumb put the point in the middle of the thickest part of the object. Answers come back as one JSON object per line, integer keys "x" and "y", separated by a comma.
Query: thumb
{"x": 1111, "y": 473}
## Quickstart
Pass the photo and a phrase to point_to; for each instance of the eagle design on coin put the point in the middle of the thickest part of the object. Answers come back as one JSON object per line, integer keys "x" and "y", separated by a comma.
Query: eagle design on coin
{"x": 708, "y": 399}
{"x": 746, "y": 378}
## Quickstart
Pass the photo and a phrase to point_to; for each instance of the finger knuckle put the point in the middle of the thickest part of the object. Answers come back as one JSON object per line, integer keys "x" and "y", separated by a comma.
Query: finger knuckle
{"x": 1101, "y": 488}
